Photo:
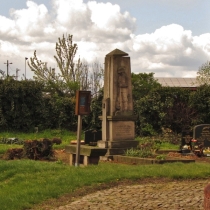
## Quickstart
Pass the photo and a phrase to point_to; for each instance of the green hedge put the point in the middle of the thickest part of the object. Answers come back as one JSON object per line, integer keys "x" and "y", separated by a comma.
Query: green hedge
{"x": 170, "y": 107}
{"x": 21, "y": 104}
{"x": 25, "y": 105}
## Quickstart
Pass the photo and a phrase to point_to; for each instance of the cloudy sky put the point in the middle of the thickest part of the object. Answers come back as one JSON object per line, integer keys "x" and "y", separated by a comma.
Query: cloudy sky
{"x": 168, "y": 38}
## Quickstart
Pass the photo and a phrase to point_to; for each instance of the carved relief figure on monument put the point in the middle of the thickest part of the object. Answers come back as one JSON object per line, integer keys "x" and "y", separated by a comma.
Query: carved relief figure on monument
{"x": 122, "y": 89}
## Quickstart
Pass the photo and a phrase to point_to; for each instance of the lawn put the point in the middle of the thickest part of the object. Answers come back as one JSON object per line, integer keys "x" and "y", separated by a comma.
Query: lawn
{"x": 24, "y": 183}
{"x": 66, "y": 137}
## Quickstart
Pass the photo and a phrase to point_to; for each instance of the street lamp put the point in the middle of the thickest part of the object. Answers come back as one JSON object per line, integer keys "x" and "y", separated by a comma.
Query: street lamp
{"x": 25, "y": 66}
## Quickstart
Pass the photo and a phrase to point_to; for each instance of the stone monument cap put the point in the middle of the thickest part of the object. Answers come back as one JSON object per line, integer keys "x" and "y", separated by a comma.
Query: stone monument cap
{"x": 117, "y": 52}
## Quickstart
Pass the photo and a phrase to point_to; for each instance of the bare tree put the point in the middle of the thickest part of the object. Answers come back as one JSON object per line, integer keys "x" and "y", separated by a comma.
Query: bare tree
{"x": 96, "y": 77}
{"x": 72, "y": 75}
{"x": 67, "y": 80}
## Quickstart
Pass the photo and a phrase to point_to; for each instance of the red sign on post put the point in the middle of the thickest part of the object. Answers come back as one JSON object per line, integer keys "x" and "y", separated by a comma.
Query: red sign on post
{"x": 83, "y": 99}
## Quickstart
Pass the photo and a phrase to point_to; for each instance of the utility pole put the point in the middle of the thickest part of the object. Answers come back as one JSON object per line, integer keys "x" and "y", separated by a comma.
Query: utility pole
{"x": 17, "y": 70}
{"x": 7, "y": 67}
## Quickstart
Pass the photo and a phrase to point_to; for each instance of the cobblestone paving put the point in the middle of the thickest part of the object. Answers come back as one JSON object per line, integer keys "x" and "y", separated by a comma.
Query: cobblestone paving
{"x": 184, "y": 195}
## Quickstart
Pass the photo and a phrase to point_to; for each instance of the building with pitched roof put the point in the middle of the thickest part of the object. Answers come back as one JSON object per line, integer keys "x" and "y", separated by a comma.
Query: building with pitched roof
{"x": 189, "y": 83}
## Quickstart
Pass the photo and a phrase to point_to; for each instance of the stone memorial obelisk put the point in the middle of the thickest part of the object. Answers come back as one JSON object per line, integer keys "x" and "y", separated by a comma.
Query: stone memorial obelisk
{"x": 118, "y": 120}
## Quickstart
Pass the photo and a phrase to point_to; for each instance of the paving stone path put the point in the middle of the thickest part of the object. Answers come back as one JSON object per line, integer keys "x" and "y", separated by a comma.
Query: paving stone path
{"x": 174, "y": 195}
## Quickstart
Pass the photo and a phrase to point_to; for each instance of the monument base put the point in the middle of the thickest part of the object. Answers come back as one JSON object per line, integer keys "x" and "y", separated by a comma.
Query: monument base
{"x": 117, "y": 147}
{"x": 118, "y": 144}
{"x": 88, "y": 154}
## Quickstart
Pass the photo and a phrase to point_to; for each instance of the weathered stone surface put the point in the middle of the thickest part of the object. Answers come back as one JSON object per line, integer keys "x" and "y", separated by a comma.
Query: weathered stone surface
{"x": 122, "y": 130}
{"x": 85, "y": 150}
{"x": 202, "y": 134}
{"x": 118, "y": 120}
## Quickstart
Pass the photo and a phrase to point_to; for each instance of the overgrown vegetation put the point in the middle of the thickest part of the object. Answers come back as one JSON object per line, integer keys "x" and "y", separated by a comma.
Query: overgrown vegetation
{"x": 146, "y": 148}
{"x": 139, "y": 152}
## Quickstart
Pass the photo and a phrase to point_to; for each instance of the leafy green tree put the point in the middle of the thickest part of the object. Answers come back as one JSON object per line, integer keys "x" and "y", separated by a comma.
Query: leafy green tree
{"x": 165, "y": 107}
{"x": 142, "y": 84}
{"x": 200, "y": 101}
{"x": 203, "y": 74}
{"x": 179, "y": 114}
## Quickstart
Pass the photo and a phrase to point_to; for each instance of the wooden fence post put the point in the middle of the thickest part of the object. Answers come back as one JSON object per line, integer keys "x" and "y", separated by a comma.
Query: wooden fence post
{"x": 207, "y": 197}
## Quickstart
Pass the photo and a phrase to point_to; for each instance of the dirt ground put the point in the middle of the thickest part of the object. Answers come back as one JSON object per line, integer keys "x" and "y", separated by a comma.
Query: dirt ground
{"x": 61, "y": 155}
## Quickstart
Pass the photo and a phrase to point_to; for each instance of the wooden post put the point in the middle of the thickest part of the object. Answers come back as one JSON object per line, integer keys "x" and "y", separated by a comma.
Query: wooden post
{"x": 207, "y": 197}
{"x": 79, "y": 129}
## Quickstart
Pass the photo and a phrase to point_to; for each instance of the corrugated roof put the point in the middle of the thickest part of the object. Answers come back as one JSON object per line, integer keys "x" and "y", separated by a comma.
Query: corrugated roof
{"x": 177, "y": 82}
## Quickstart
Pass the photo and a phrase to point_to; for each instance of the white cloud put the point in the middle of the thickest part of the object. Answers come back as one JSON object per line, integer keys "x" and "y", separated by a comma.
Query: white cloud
{"x": 9, "y": 48}
{"x": 72, "y": 14}
{"x": 172, "y": 49}
{"x": 6, "y": 25}
{"x": 99, "y": 28}
{"x": 31, "y": 20}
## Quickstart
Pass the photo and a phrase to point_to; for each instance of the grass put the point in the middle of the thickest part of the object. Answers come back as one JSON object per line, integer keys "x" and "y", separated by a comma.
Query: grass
{"x": 167, "y": 145}
{"x": 66, "y": 137}
{"x": 24, "y": 183}
{"x": 158, "y": 142}
{"x": 5, "y": 147}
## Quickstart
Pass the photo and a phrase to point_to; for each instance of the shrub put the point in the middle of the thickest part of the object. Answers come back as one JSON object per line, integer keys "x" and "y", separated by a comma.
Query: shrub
{"x": 15, "y": 153}
{"x": 141, "y": 152}
{"x": 40, "y": 149}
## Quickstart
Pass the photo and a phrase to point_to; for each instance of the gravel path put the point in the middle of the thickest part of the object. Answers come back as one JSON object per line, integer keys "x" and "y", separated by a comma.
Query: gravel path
{"x": 174, "y": 195}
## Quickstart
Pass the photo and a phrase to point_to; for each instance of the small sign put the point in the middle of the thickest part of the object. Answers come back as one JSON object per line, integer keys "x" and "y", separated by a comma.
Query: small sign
{"x": 83, "y": 99}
